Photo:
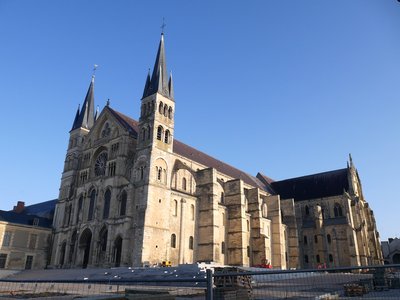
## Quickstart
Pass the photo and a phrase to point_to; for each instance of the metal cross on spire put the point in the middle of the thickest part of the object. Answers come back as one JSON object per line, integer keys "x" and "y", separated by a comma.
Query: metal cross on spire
{"x": 163, "y": 25}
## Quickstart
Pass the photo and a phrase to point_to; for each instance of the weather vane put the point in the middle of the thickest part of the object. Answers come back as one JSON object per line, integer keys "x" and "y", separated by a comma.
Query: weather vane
{"x": 163, "y": 25}
{"x": 94, "y": 69}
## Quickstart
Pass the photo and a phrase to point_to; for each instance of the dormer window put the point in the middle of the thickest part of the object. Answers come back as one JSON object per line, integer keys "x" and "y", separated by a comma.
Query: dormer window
{"x": 35, "y": 222}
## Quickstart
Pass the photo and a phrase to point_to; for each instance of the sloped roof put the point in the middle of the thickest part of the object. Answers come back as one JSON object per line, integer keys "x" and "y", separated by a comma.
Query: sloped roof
{"x": 43, "y": 209}
{"x": 313, "y": 186}
{"x": 196, "y": 155}
{"x": 24, "y": 219}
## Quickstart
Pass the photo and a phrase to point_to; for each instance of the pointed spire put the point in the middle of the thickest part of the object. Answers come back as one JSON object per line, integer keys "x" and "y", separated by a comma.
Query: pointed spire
{"x": 76, "y": 118}
{"x": 147, "y": 85}
{"x": 171, "y": 86}
{"x": 159, "y": 79}
{"x": 86, "y": 116}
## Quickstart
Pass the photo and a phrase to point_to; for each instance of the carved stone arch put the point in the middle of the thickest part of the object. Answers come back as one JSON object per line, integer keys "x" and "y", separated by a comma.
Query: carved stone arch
{"x": 85, "y": 241}
{"x": 180, "y": 166}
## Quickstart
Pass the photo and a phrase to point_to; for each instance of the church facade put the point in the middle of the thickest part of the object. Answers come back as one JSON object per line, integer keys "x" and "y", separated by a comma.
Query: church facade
{"x": 131, "y": 194}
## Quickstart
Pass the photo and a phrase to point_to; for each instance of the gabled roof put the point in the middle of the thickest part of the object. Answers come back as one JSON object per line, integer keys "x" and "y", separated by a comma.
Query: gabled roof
{"x": 24, "y": 219}
{"x": 196, "y": 155}
{"x": 314, "y": 186}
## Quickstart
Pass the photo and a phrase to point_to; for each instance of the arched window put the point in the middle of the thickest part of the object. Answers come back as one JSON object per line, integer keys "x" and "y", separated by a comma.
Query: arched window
{"x": 167, "y": 136}
{"x": 191, "y": 243}
{"x": 338, "y": 210}
{"x": 159, "y": 173}
{"x": 192, "y": 211}
{"x": 248, "y": 251}
{"x": 317, "y": 258}
{"x": 222, "y": 199}
{"x": 160, "y": 108}
{"x": 306, "y": 259}
{"x": 91, "y": 205}
{"x": 103, "y": 239}
{"x": 80, "y": 204}
{"x": 143, "y": 134}
{"x": 330, "y": 258}
{"x": 148, "y": 108}
{"x": 305, "y": 241}
{"x": 143, "y": 110}
{"x": 264, "y": 210}
{"x": 107, "y": 200}
{"x": 184, "y": 183}
{"x": 160, "y": 131}
{"x": 316, "y": 239}
{"x": 149, "y": 133}
{"x": 173, "y": 240}
{"x": 328, "y": 238}
{"x": 248, "y": 225}
{"x": 307, "y": 210}
{"x": 122, "y": 206}
{"x": 170, "y": 112}
{"x": 175, "y": 207}
{"x": 165, "y": 109}
{"x": 223, "y": 247}
{"x": 142, "y": 172}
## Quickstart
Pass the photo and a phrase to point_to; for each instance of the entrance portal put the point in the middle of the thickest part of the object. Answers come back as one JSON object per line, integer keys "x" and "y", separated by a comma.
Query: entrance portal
{"x": 117, "y": 251}
{"x": 84, "y": 244}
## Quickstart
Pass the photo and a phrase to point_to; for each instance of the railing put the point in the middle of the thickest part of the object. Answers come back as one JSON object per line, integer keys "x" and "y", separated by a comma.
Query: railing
{"x": 369, "y": 282}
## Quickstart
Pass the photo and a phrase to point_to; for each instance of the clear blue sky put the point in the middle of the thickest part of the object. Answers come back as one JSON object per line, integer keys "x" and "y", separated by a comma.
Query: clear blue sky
{"x": 287, "y": 88}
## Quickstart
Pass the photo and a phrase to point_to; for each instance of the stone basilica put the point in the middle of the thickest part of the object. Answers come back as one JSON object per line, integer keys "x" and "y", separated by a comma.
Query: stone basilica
{"x": 131, "y": 194}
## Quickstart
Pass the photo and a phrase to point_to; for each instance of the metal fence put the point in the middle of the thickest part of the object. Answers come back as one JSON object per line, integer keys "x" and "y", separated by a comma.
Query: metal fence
{"x": 373, "y": 282}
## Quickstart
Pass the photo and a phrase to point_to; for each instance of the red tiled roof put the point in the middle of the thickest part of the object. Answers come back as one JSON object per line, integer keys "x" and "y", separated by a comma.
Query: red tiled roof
{"x": 196, "y": 155}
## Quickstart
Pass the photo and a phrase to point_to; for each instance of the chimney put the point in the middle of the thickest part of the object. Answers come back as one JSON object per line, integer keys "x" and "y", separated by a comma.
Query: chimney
{"x": 20, "y": 207}
{"x": 390, "y": 240}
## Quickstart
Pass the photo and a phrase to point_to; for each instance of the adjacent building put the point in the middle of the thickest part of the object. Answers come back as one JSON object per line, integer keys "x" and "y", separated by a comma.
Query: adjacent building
{"x": 25, "y": 238}
{"x": 391, "y": 251}
{"x": 131, "y": 193}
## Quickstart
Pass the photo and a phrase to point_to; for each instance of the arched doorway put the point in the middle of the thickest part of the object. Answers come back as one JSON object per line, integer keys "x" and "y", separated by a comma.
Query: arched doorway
{"x": 84, "y": 245}
{"x": 62, "y": 253}
{"x": 102, "y": 246}
{"x": 396, "y": 258}
{"x": 117, "y": 251}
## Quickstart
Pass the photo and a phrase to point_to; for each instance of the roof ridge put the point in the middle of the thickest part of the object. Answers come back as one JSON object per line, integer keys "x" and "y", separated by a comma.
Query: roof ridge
{"x": 218, "y": 164}
{"x": 312, "y": 175}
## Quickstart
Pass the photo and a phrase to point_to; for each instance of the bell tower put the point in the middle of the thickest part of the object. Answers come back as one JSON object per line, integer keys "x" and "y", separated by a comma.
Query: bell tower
{"x": 156, "y": 122}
